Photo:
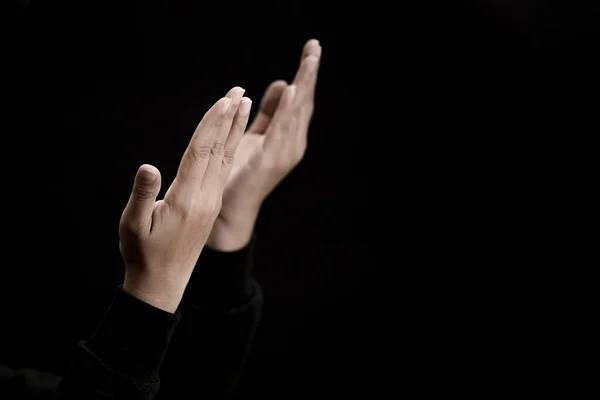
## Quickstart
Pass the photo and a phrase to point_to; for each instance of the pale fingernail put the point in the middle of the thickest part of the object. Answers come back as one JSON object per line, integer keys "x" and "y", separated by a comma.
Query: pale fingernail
{"x": 318, "y": 50}
{"x": 238, "y": 96}
{"x": 225, "y": 106}
{"x": 245, "y": 107}
{"x": 313, "y": 43}
{"x": 313, "y": 48}
{"x": 292, "y": 93}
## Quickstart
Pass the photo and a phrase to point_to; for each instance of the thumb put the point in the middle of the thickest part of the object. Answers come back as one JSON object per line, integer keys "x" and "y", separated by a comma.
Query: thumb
{"x": 139, "y": 209}
{"x": 268, "y": 106}
{"x": 270, "y": 99}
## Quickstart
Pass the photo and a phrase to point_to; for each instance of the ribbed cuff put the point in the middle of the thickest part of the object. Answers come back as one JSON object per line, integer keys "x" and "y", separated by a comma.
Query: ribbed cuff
{"x": 133, "y": 336}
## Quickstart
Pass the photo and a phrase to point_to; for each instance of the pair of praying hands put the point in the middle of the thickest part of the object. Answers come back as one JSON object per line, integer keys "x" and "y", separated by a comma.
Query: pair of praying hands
{"x": 224, "y": 176}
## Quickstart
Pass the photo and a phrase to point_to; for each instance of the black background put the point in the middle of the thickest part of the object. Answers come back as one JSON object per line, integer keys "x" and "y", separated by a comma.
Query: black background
{"x": 94, "y": 89}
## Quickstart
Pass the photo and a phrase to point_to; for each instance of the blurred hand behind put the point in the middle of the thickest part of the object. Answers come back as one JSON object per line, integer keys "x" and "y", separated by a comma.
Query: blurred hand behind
{"x": 273, "y": 145}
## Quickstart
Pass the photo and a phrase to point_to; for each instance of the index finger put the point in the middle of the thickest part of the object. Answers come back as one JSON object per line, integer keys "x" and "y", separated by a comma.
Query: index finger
{"x": 311, "y": 48}
{"x": 306, "y": 77}
{"x": 198, "y": 153}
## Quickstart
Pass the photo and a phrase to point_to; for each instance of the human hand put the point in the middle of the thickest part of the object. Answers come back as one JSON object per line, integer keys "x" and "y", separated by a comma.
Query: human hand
{"x": 162, "y": 240}
{"x": 273, "y": 145}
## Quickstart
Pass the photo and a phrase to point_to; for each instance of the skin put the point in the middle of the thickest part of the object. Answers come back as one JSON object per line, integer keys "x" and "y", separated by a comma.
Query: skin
{"x": 273, "y": 145}
{"x": 160, "y": 241}
{"x": 222, "y": 181}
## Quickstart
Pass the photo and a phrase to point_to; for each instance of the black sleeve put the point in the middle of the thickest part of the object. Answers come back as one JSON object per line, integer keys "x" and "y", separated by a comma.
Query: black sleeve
{"x": 27, "y": 384}
{"x": 220, "y": 313}
{"x": 122, "y": 359}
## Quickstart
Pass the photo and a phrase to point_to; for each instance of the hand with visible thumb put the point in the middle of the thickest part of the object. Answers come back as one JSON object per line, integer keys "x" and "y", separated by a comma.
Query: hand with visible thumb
{"x": 160, "y": 241}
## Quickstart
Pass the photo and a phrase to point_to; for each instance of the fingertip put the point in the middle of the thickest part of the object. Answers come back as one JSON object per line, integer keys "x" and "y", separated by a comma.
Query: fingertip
{"x": 312, "y": 42}
{"x": 236, "y": 95}
{"x": 313, "y": 48}
{"x": 150, "y": 168}
{"x": 245, "y": 106}
{"x": 234, "y": 90}
{"x": 148, "y": 173}
{"x": 275, "y": 90}
{"x": 279, "y": 82}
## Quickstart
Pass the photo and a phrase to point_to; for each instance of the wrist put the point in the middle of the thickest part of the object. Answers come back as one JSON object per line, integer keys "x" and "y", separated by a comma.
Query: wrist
{"x": 232, "y": 231}
{"x": 161, "y": 294}
{"x": 227, "y": 240}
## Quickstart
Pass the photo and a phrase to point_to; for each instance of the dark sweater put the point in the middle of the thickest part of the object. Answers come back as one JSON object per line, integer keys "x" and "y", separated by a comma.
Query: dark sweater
{"x": 207, "y": 340}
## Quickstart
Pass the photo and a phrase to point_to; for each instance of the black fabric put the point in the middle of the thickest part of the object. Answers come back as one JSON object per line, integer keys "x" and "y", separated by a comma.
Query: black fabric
{"x": 221, "y": 280}
{"x": 134, "y": 336}
{"x": 221, "y": 309}
{"x": 125, "y": 353}
{"x": 197, "y": 352}
{"x": 26, "y": 383}
{"x": 209, "y": 349}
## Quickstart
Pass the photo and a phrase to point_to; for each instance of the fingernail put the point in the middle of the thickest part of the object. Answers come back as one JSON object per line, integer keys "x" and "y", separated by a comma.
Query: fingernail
{"x": 147, "y": 177}
{"x": 245, "y": 107}
{"x": 292, "y": 93}
{"x": 315, "y": 48}
{"x": 238, "y": 96}
{"x": 225, "y": 106}
{"x": 318, "y": 52}
{"x": 313, "y": 42}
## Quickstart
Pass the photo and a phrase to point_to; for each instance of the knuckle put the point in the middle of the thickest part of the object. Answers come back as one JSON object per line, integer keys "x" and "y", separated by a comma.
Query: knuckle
{"x": 199, "y": 154}
{"x": 198, "y": 209}
{"x": 183, "y": 207}
{"x": 184, "y": 211}
{"x": 217, "y": 149}
{"x": 228, "y": 157}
